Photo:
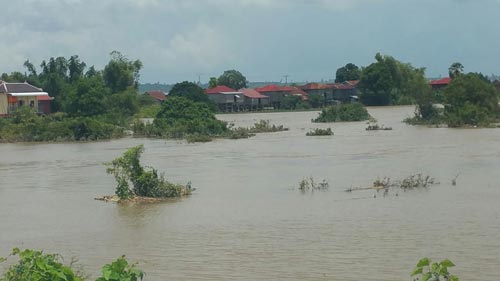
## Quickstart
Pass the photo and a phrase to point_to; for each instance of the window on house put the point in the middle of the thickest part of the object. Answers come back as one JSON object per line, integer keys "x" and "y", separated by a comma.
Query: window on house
{"x": 32, "y": 103}
{"x": 21, "y": 103}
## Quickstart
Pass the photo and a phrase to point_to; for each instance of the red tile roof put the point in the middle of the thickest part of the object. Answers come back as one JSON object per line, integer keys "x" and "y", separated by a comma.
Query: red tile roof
{"x": 442, "y": 81}
{"x": 272, "y": 88}
{"x": 298, "y": 92}
{"x": 316, "y": 86}
{"x": 219, "y": 89}
{"x": 342, "y": 86}
{"x": 253, "y": 94}
{"x": 157, "y": 95}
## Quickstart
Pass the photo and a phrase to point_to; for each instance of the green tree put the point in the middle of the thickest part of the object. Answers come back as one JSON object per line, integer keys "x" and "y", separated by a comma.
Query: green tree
{"x": 121, "y": 73}
{"x": 88, "y": 98}
{"x": 233, "y": 79}
{"x": 389, "y": 81}
{"x": 455, "y": 70}
{"x": 437, "y": 271}
{"x": 348, "y": 72}
{"x": 212, "y": 83}
{"x": 189, "y": 90}
{"x": 470, "y": 101}
{"x": 76, "y": 68}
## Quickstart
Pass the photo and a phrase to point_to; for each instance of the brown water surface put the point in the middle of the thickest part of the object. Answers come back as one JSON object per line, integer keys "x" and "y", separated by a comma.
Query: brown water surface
{"x": 248, "y": 221}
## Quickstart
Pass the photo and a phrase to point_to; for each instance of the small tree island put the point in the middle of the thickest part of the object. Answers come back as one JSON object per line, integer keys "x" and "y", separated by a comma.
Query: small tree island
{"x": 147, "y": 184}
{"x": 343, "y": 113}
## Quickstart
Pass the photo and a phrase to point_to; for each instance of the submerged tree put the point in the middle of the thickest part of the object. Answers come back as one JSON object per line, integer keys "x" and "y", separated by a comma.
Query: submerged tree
{"x": 146, "y": 182}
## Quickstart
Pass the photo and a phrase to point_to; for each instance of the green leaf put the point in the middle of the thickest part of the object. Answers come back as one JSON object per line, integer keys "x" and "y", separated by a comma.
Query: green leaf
{"x": 454, "y": 278}
{"x": 426, "y": 276}
{"x": 447, "y": 263}
{"x": 417, "y": 271}
{"x": 2, "y": 259}
{"x": 424, "y": 262}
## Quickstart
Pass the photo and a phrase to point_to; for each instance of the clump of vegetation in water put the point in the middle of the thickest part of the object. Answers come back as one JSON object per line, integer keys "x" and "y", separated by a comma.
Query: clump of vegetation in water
{"x": 120, "y": 270}
{"x": 309, "y": 184}
{"x": 377, "y": 127}
{"x": 320, "y": 132}
{"x": 411, "y": 182}
{"x": 180, "y": 118}
{"x": 26, "y": 126}
{"x": 263, "y": 126}
{"x": 426, "y": 270}
{"x": 37, "y": 266}
{"x": 343, "y": 113}
{"x": 470, "y": 101}
{"x": 146, "y": 182}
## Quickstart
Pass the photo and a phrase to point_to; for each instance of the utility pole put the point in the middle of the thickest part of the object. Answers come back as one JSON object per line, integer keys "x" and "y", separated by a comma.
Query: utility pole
{"x": 286, "y": 79}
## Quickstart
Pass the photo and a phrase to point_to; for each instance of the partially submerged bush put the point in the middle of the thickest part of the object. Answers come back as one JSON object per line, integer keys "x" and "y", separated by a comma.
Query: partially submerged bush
{"x": 343, "y": 113}
{"x": 320, "y": 132}
{"x": 377, "y": 127}
{"x": 308, "y": 184}
{"x": 263, "y": 126}
{"x": 180, "y": 118}
{"x": 427, "y": 270}
{"x": 146, "y": 182}
{"x": 120, "y": 270}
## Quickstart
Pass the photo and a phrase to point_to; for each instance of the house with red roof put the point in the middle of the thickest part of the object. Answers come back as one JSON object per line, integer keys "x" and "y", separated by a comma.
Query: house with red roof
{"x": 158, "y": 96}
{"x": 440, "y": 83}
{"x": 254, "y": 100}
{"x": 227, "y": 99}
{"x": 277, "y": 93}
{"x": 15, "y": 95}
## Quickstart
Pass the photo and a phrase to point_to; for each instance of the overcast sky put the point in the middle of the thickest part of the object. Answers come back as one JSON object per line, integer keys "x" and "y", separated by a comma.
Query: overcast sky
{"x": 265, "y": 39}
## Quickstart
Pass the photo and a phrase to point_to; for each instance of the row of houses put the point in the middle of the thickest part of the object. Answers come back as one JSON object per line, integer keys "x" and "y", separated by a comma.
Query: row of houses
{"x": 272, "y": 96}
{"x": 14, "y": 95}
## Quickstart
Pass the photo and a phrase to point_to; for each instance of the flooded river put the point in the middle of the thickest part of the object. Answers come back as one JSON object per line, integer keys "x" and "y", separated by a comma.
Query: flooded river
{"x": 248, "y": 221}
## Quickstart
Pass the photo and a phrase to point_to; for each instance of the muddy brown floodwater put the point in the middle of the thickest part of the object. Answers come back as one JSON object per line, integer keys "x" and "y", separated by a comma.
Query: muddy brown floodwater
{"x": 248, "y": 221}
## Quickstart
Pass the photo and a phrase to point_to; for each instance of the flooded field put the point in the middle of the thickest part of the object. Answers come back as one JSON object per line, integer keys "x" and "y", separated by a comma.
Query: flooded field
{"x": 248, "y": 221}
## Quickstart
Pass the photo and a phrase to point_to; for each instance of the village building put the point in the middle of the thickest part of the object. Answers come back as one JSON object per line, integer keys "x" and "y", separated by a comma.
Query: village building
{"x": 277, "y": 93}
{"x": 440, "y": 83}
{"x": 333, "y": 93}
{"x": 254, "y": 100}
{"x": 15, "y": 95}
{"x": 227, "y": 99}
{"x": 158, "y": 96}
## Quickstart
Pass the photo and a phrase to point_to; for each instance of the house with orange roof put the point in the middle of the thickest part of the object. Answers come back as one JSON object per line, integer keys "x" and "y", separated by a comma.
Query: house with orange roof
{"x": 254, "y": 100}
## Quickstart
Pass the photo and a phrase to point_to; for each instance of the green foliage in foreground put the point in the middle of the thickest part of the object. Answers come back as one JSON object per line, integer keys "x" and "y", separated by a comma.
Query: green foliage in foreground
{"x": 37, "y": 266}
{"x": 146, "y": 182}
{"x": 426, "y": 270}
{"x": 343, "y": 113}
{"x": 26, "y": 126}
{"x": 120, "y": 270}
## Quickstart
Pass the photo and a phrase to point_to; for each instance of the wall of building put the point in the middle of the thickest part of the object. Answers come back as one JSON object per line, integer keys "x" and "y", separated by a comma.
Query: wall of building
{"x": 4, "y": 106}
